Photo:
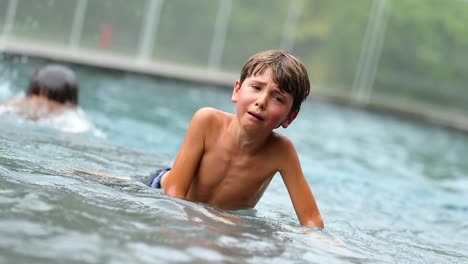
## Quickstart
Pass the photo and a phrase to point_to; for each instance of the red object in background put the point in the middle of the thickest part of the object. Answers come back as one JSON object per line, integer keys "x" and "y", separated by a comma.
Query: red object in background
{"x": 105, "y": 40}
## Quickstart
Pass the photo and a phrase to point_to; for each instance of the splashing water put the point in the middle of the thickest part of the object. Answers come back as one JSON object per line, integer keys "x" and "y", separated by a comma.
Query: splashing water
{"x": 389, "y": 190}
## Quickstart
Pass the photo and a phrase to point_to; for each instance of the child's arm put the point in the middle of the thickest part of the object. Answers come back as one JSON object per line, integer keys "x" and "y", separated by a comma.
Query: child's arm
{"x": 96, "y": 173}
{"x": 189, "y": 156}
{"x": 298, "y": 188}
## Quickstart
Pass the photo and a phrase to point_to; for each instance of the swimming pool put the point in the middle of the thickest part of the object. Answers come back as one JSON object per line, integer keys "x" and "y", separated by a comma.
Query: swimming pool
{"x": 389, "y": 190}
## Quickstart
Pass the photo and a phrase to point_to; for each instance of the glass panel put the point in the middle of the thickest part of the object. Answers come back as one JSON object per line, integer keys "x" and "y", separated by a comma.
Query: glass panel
{"x": 425, "y": 56}
{"x": 47, "y": 20}
{"x": 185, "y": 31}
{"x": 3, "y": 14}
{"x": 253, "y": 26}
{"x": 328, "y": 39}
{"x": 113, "y": 25}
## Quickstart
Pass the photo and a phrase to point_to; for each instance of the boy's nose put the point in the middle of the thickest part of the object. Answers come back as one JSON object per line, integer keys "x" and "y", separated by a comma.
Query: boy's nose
{"x": 261, "y": 102}
{"x": 261, "y": 106}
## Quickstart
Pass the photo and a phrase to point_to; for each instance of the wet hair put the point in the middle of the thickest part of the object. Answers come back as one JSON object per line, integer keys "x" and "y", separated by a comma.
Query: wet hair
{"x": 287, "y": 72}
{"x": 57, "y": 82}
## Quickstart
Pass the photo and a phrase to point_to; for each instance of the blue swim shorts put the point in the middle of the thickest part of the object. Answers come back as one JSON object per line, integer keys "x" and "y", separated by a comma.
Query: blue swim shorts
{"x": 154, "y": 180}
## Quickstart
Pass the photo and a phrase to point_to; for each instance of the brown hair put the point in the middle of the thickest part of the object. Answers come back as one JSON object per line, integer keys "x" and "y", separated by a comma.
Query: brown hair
{"x": 58, "y": 82}
{"x": 287, "y": 72}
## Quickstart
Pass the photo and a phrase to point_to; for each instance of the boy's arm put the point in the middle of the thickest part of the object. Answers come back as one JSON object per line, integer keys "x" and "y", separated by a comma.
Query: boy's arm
{"x": 188, "y": 157}
{"x": 12, "y": 101}
{"x": 298, "y": 188}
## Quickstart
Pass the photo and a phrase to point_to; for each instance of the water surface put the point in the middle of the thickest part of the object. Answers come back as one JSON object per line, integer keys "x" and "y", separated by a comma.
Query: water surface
{"x": 389, "y": 190}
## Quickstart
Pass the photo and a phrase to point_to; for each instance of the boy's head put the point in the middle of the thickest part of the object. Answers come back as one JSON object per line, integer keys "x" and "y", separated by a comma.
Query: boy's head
{"x": 56, "y": 82}
{"x": 287, "y": 72}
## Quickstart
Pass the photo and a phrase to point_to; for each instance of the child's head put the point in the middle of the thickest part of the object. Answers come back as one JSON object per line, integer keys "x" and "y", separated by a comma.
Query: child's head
{"x": 287, "y": 71}
{"x": 56, "y": 82}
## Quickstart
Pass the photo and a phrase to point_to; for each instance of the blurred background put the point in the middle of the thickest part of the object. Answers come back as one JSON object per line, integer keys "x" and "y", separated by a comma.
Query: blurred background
{"x": 402, "y": 55}
{"x": 390, "y": 190}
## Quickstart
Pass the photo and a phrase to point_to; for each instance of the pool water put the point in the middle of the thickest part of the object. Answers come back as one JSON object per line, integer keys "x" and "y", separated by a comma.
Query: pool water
{"x": 389, "y": 190}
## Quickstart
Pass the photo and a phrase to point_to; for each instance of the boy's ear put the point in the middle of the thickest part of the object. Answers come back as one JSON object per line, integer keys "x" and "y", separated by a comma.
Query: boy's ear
{"x": 237, "y": 86}
{"x": 290, "y": 119}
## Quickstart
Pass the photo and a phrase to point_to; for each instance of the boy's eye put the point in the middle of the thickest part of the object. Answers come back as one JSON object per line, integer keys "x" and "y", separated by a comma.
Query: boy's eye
{"x": 278, "y": 98}
{"x": 256, "y": 87}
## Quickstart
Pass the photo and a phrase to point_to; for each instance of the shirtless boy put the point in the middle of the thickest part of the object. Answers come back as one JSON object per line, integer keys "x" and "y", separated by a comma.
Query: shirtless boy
{"x": 52, "y": 89}
{"x": 228, "y": 160}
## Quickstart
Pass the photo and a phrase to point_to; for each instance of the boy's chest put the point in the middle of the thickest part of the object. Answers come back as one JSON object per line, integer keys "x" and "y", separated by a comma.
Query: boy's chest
{"x": 230, "y": 182}
{"x": 222, "y": 169}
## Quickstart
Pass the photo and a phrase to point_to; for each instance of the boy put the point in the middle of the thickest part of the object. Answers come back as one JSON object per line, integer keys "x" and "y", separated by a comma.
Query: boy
{"x": 52, "y": 89}
{"x": 228, "y": 160}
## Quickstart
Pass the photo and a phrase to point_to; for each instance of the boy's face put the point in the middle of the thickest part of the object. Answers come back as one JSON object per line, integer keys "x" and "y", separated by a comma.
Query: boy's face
{"x": 261, "y": 103}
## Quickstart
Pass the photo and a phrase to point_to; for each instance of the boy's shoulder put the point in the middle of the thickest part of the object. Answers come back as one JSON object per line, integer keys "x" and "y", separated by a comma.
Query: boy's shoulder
{"x": 207, "y": 110}
{"x": 281, "y": 139}
{"x": 210, "y": 114}
{"x": 13, "y": 101}
{"x": 282, "y": 146}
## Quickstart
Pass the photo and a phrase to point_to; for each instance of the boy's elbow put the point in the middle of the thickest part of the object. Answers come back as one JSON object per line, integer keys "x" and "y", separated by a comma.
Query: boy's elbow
{"x": 320, "y": 224}
{"x": 174, "y": 192}
{"x": 314, "y": 222}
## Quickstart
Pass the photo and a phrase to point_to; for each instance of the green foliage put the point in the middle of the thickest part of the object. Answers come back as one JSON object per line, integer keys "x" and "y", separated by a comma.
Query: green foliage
{"x": 185, "y": 31}
{"x": 425, "y": 56}
{"x": 253, "y": 26}
{"x": 329, "y": 39}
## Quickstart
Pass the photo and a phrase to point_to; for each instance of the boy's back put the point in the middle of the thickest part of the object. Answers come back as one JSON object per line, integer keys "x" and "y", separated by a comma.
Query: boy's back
{"x": 52, "y": 89}
{"x": 35, "y": 107}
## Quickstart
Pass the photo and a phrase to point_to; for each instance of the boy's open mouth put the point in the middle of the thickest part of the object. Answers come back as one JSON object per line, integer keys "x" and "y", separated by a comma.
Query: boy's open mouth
{"x": 257, "y": 116}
